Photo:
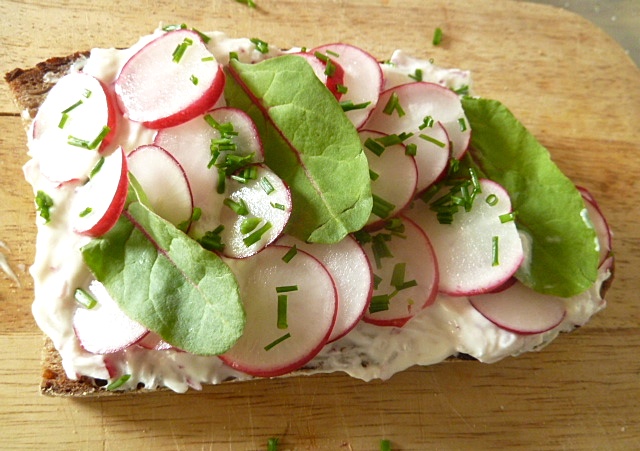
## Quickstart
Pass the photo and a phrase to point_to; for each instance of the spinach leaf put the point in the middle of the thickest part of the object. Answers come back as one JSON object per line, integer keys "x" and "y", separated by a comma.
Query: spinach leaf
{"x": 166, "y": 281}
{"x": 549, "y": 209}
{"x": 309, "y": 142}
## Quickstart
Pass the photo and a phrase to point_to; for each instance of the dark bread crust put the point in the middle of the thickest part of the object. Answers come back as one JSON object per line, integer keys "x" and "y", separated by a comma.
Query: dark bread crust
{"x": 29, "y": 88}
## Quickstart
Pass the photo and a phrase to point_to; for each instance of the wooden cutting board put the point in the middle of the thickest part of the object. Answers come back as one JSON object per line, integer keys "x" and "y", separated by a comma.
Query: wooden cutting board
{"x": 565, "y": 79}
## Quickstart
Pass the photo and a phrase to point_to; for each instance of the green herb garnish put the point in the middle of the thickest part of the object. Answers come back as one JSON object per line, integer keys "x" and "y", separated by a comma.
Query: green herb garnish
{"x": 178, "y": 53}
{"x": 261, "y": 46}
{"x": 281, "y": 322}
{"x": 84, "y": 298}
{"x": 119, "y": 382}
{"x": 277, "y": 341}
{"x": 43, "y": 205}
{"x": 437, "y": 36}
{"x": 290, "y": 254}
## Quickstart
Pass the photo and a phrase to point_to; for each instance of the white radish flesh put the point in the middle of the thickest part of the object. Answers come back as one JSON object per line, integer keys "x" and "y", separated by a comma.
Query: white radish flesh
{"x": 96, "y": 206}
{"x": 416, "y": 103}
{"x": 362, "y": 78}
{"x": 477, "y": 252}
{"x": 164, "y": 183}
{"x": 349, "y": 266}
{"x": 105, "y": 329}
{"x": 69, "y": 130}
{"x": 169, "y": 81}
{"x": 274, "y": 344}
{"x": 521, "y": 310}
{"x": 406, "y": 281}
{"x": 255, "y": 213}
{"x": 600, "y": 225}
{"x": 393, "y": 176}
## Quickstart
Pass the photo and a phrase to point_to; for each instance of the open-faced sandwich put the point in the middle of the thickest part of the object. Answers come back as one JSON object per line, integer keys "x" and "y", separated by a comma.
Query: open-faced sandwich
{"x": 214, "y": 209}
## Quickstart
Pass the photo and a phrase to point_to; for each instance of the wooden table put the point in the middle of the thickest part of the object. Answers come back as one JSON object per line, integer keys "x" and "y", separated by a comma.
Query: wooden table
{"x": 565, "y": 79}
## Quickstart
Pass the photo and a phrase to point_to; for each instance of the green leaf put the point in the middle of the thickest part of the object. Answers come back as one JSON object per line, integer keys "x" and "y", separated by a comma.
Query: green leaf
{"x": 166, "y": 281}
{"x": 309, "y": 142}
{"x": 564, "y": 259}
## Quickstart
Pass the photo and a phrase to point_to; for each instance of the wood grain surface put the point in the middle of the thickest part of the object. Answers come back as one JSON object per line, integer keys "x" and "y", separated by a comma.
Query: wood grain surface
{"x": 571, "y": 84}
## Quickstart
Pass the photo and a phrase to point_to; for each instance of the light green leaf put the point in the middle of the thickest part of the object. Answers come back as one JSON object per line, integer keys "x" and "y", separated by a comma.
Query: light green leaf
{"x": 564, "y": 258}
{"x": 309, "y": 142}
{"x": 166, "y": 281}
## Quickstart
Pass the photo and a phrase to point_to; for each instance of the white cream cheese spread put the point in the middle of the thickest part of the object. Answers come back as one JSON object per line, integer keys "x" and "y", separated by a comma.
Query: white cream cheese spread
{"x": 448, "y": 327}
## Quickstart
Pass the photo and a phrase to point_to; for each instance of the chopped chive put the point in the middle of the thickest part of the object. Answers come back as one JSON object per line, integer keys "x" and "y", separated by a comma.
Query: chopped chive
{"x": 463, "y": 124}
{"x": 233, "y": 56}
{"x": 85, "y": 212}
{"x": 427, "y": 122}
{"x": 63, "y": 120}
{"x": 203, "y": 36}
{"x": 257, "y": 235}
{"x": 272, "y": 443}
{"x": 72, "y": 107}
{"x": 373, "y": 175}
{"x": 385, "y": 445}
{"x": 332, "y": 53}
{"x": 411, "y": 149}
{"x": 321, "y": 56}
{"x": 261, "y": 46}
{"x": 212, "y": 240}
{"x": 194, "y": 80}
{"x": 173, "y": 27}
{"x": 178, "y": 53}
{"x": 208, "y": 58}
{"x": 437, "y": 36}
{"x": 290, "y": 254}
{"x": 220, "y": 187}
{"x": 381, "y": 208}
{"x": 397, "y": 276}
{"x": 277, "y": 341}
{"x": 492, "y": 199}
{"x": 462, "y": 90}
{"x": 376, "y": 281}
{"x": 433, "y": 140}
{"x": 249, "y": 225}
{"x": 374, "y": 146}
{"x": 278, "y": 206}
{"x": 96, "y": 168}
{"x": 379, "y": 303}
{"x": 266, "y": 185}
{"x": 43, "y": 205}
{"x": 239, "y": 208}
{"x": 342, "y": 89}
{"x": 329, "y": 68}
{"x": 85, "y": 298}
{"x": 393, "y": 104}
{"x": 87, "y": 93}
{"x": 281, "y": 323}
{"x": 348, "y": 105}
{"x": 90, "y": 145}
{"x": 250, "y": 4}
{"x": 507, "y": 217}
{"x": 417, "y": 75}
{"x": 286, "y": 288}
{"x": 494, "y": 251}
{"x": 195, "y": 215}
{"x": 119, "y": 382}
{"x": 380, "y": 248}
{"x": 393, "y": 139}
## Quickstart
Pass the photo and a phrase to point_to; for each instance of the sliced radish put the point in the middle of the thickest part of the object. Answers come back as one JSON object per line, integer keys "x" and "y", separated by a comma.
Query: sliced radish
{"x": 274, "y": 344}
{"x": 405, "y": 275}
{"x": 421, "y": 104}
{"x": 393, "y": 176}
{"x": 521, "y": 310}
{"x": 169, "y": 81}
{"x": 97, "y": 205}
{"x": 163, "y": 181}
{"x": 255, "y": 212}
{"x": 328, "y": 72}
{"x": 76, "y": 121}
{"x": 477, "y": 252}
{"x": 349, "y": 266}
{"x": 362, "y": 78}
{"x": 600, "y": 225}
{"x": 190, "y": 144}
{"x": 154, "y": 341}
{"x": 105, "y": 329}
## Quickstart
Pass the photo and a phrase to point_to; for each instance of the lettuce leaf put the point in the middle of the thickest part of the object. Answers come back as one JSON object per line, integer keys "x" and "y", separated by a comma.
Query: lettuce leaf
{"x": 549, "y": 209}
{"x": 309, "y": 142}
{"x": 166, "y": 281}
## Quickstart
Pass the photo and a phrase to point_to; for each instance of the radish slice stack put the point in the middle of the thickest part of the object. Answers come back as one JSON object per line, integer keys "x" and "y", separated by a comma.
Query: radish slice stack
{"x": 205, "y": 173}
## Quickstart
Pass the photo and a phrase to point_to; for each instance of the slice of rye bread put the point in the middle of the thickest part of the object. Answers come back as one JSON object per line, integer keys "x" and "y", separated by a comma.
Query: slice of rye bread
{"x": 29, "y": 88}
